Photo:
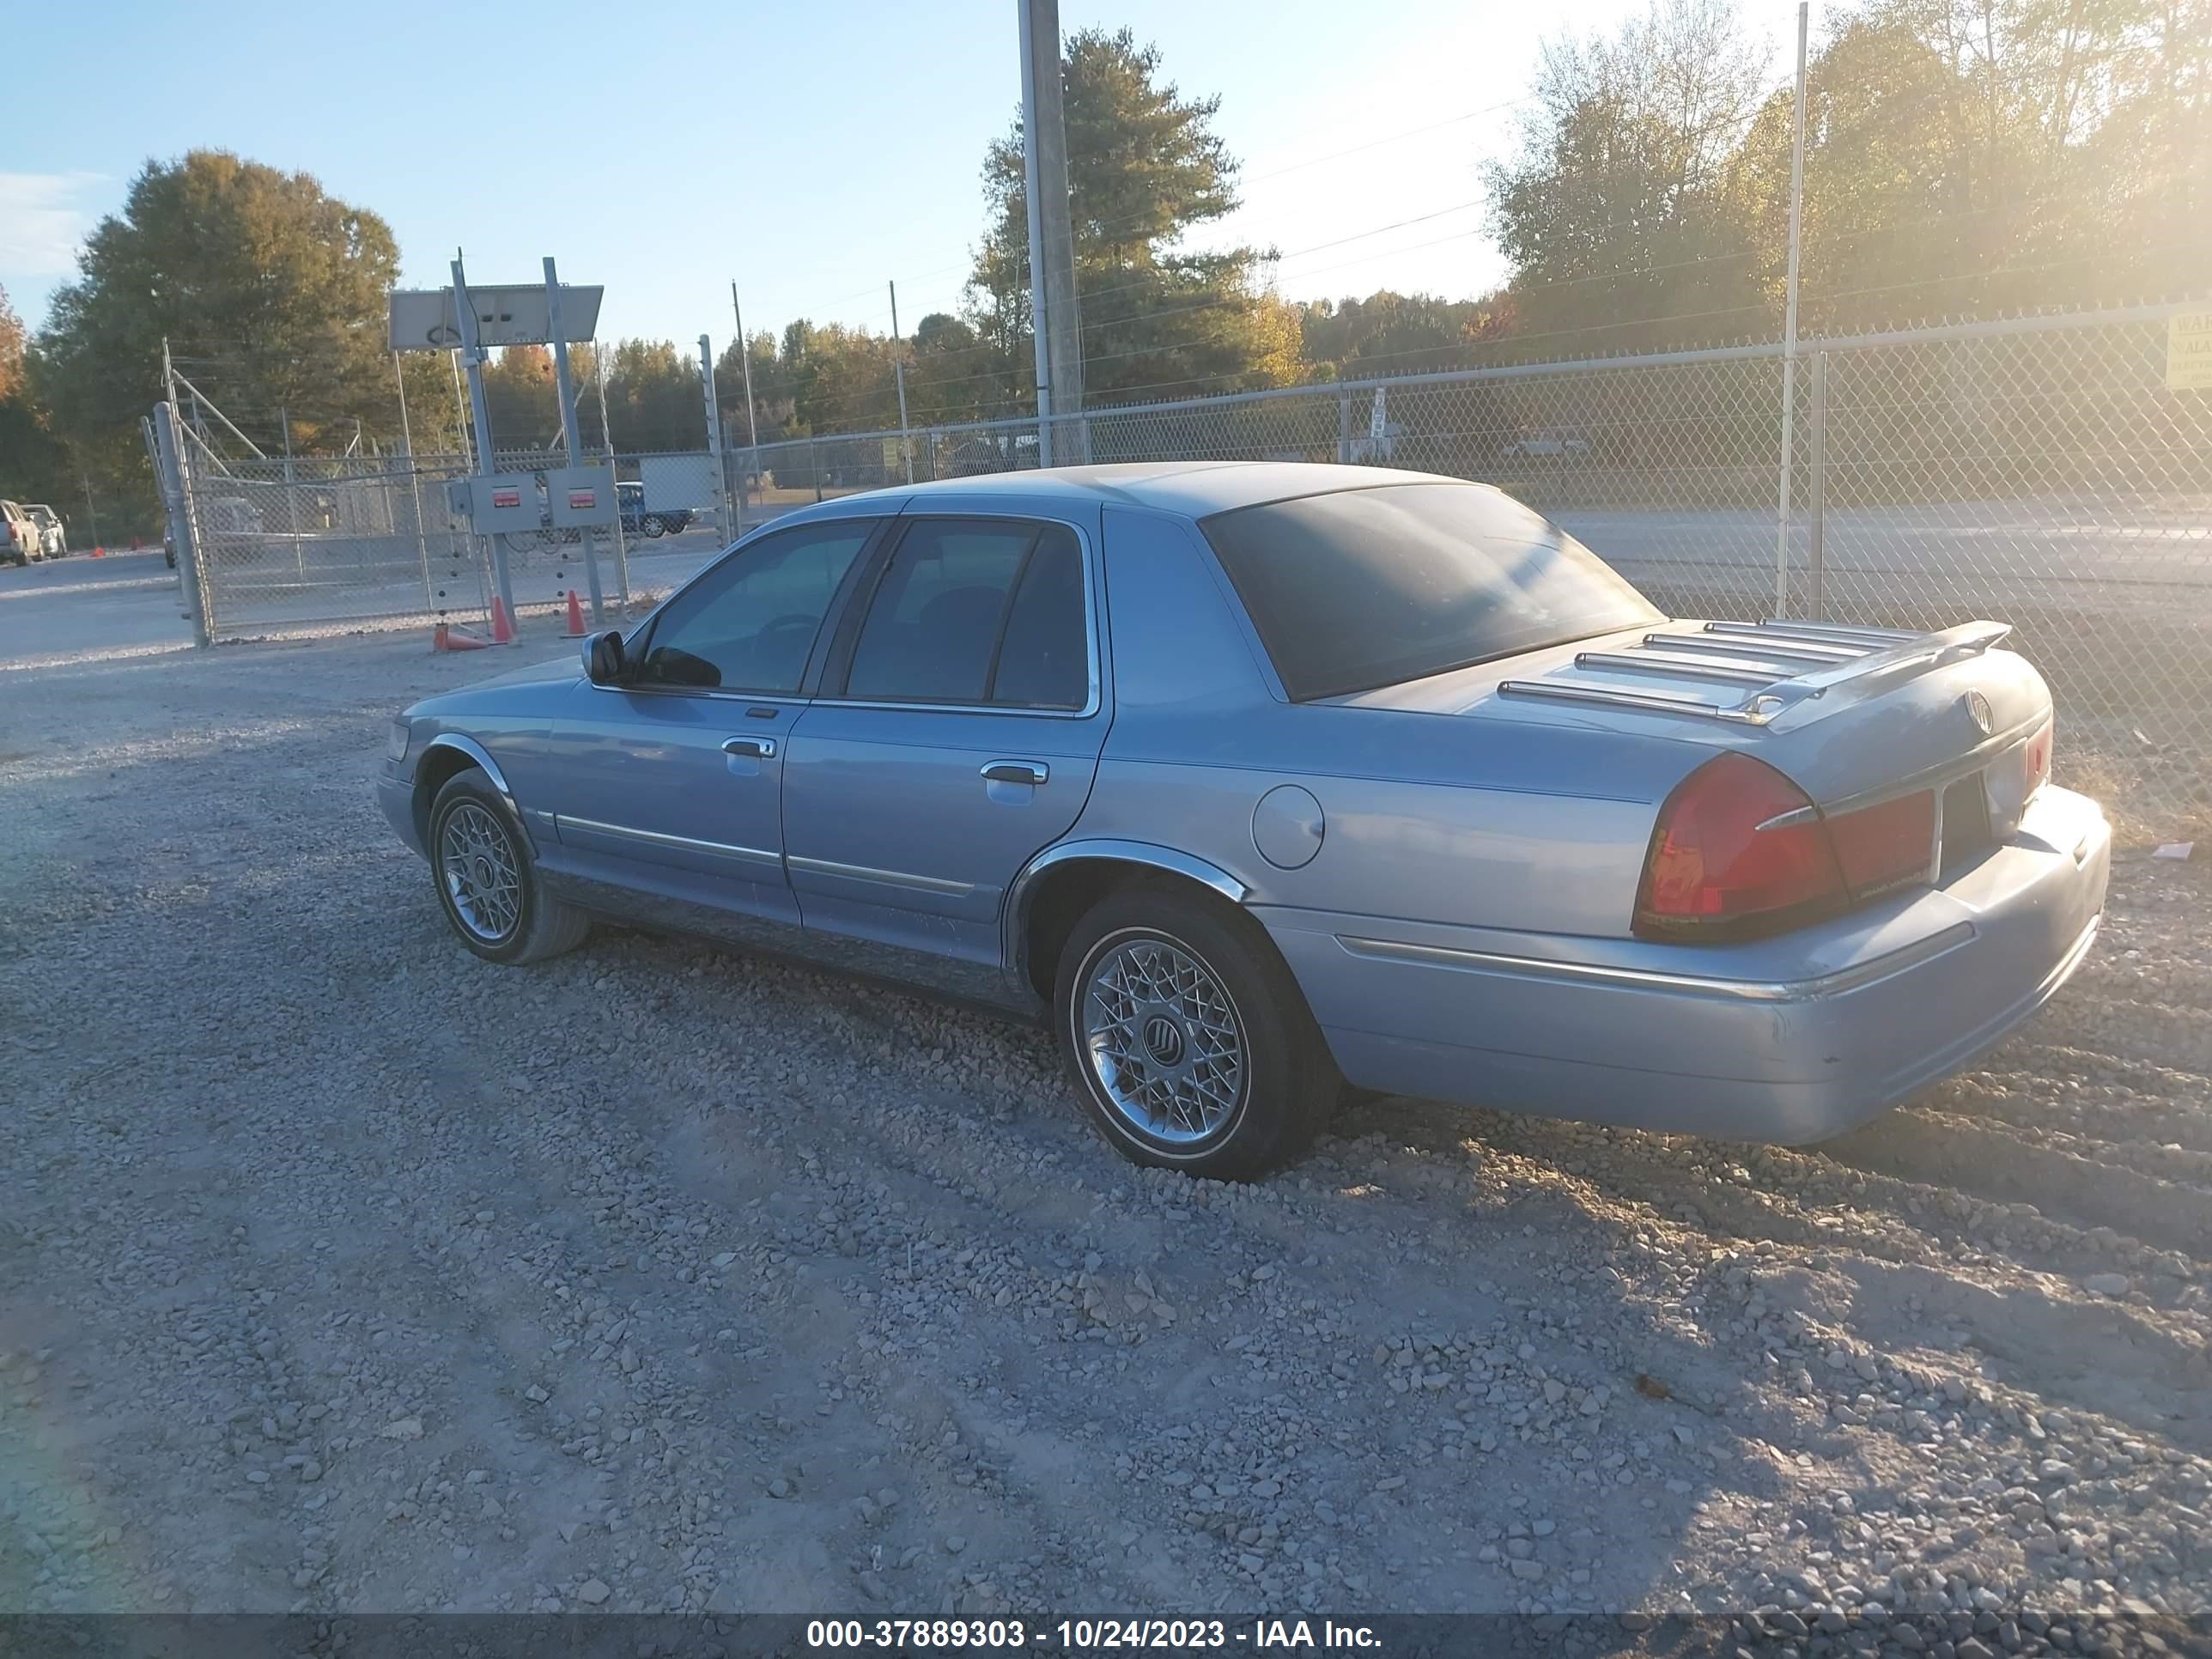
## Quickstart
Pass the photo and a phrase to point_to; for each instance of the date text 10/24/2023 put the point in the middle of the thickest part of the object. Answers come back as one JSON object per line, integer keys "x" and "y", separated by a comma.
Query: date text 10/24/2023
{"x": 1087, "y": 1634}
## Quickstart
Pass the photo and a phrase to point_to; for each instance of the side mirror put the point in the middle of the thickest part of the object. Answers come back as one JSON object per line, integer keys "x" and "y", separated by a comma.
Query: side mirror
{"x": 603, "y": 658}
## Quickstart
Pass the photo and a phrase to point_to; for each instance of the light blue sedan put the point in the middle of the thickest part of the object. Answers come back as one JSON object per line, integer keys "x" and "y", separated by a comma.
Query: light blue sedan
{"x": 1260, "y": 781}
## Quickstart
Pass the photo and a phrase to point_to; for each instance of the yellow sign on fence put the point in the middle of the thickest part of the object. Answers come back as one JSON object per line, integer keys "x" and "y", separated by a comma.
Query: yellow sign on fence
{"x": 2189, "y": 351}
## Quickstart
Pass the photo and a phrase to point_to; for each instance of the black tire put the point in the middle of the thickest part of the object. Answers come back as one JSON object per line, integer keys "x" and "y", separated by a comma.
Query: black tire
{"x": 655, "y": 529}
{"x": 541, "y": 925}
{"x": 1288, "y": 1084}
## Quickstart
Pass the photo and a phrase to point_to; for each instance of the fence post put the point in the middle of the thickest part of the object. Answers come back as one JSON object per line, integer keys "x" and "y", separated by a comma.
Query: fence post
{"x": 1816, "y": 599}
{"x": 1343, "y": 429}
{"x": 572, "y": 435}
{"x": 814, "y": 466}
{"x": 621, "y": 537}
{"x": 177, "y": 500}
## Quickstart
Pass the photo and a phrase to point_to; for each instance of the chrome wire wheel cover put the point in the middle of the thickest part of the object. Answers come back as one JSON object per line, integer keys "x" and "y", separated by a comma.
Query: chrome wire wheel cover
{"x": 1163, "y": 1041}
{"x": 475, "y": 860}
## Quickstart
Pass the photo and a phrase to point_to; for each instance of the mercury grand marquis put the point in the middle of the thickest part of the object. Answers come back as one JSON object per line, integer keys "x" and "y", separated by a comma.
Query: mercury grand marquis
{"x": 1264, "y": 781}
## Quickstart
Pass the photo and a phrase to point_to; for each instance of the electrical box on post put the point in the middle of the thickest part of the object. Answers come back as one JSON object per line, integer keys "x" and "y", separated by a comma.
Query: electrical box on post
{"x": 583, "y": 497}
{"x": 508, "y": 502}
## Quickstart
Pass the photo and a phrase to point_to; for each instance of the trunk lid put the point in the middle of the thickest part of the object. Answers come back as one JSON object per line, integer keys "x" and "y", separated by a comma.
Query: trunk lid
{"x": 1849, "y": 715}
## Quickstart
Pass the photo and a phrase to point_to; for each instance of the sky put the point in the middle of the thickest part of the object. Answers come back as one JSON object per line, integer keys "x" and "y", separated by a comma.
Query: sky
{"x": 808, "y": 153}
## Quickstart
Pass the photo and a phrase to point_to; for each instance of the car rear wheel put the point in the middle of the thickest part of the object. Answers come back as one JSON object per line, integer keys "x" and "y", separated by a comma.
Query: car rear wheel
{"x": 654, "y": 528}
{"x": 487, "y": 885}
{"x": 1191, "y": 1046}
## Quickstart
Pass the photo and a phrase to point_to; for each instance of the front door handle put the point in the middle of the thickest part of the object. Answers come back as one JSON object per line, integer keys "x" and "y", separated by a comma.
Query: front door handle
{"x": 1004, "y": 771}
{"x": 754, "y": 748}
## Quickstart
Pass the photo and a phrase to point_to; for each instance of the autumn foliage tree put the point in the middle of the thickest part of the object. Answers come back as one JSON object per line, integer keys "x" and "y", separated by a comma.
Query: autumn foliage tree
{"x": 271, "y": 287}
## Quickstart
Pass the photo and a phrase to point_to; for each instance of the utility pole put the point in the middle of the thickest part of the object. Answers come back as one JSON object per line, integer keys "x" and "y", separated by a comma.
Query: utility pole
{"x": 898, "y": 367}
{"x": 1062, "y": 435}
{"x": 568, "y": 432}
{"x": 751, "y": 469}
{"x": 1789, "y": 328}
{"x": 745, "y": 358}
{"x": 715, "y": 440}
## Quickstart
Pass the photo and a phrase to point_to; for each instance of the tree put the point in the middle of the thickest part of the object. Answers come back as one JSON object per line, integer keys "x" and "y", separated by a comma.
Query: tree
{"x": 522, "y": 397}
{"x": 1617, "y": 212}
{"x": 274, "y": 289}
{"x": 11, "y": 349}
{"x": 655, "y": 399}
{"x": 1145, "y": 169}
{"x": 1963, "y": 157}
{"x": 1992, "y": 156}
{"x": 1390, "y": 334}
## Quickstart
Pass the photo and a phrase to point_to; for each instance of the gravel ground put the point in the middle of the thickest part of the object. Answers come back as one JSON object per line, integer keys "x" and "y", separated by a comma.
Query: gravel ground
{"x": 340, "y": 1271}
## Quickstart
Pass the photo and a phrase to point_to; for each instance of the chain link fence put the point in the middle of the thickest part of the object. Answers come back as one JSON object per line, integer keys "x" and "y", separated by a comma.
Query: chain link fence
{"x": 321, "y": 545}
{"x": 2038, "y": 471}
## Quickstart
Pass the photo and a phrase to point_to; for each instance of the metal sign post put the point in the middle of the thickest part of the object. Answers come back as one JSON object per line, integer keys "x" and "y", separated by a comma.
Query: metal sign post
{"x": 569, "y": 431}
{"x": 472, "y": 355}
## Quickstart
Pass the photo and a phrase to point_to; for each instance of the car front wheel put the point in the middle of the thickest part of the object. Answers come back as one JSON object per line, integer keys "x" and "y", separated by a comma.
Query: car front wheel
{"x": 1191, "y": 1046}
{"x": 487, "y": 884}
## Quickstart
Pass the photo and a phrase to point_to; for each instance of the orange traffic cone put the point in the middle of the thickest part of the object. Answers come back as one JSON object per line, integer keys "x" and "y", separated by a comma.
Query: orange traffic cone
{"x": 502, "y": 626}
{"x": 446, "y": 638}
{"x": 575, "y": 617}
{"x": 99, "y": 552}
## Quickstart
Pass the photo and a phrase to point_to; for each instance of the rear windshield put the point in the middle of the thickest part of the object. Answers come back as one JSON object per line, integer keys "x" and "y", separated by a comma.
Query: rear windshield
{"x": 1369, "y": 587}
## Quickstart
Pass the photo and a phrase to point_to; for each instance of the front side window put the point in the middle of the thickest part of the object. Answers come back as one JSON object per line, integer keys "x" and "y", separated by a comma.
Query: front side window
{"x": 1370, "y": 587}
{"x": 977, "y": 612}
{"x": 749, "y": 623}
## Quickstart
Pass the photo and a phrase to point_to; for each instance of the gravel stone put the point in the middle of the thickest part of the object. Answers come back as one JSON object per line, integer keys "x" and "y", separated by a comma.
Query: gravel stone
{"x": 652, "y": 1278}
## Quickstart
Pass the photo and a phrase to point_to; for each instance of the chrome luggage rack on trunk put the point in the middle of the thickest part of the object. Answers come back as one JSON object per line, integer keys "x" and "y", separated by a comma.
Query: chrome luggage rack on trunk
{"x": 1787, "y": 662}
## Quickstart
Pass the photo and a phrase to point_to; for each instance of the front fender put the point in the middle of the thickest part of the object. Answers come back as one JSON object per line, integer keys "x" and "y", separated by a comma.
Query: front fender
{"x": 476, "y": 752}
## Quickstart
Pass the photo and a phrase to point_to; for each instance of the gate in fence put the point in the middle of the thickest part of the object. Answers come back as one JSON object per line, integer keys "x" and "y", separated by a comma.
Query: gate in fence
{"x": 316, "y": 545}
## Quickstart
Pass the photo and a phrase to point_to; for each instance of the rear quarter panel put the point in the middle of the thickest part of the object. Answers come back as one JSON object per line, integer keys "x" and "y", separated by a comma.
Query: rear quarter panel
{"x": 1429, "y": 817}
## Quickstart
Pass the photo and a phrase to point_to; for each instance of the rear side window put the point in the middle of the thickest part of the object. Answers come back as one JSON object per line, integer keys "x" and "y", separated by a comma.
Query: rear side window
{"x": 1370, "y": 587}
{"x": 976, "y": 612}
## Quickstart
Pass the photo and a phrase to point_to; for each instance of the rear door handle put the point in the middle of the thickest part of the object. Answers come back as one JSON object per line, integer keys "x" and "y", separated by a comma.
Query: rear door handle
{"x": 1007, "y": 771}
{"x": 755, "y": 748}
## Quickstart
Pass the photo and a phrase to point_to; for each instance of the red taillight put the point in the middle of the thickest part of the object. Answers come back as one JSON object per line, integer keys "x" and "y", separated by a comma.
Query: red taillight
{"x": 1739, "y": 851}
{"x": 2036, "y": 756}
{"x": 1885, "y": 846}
